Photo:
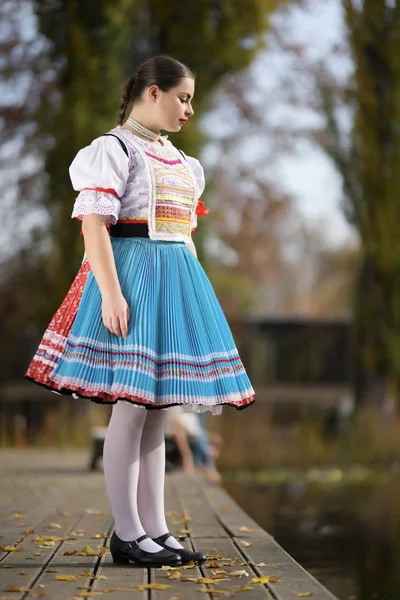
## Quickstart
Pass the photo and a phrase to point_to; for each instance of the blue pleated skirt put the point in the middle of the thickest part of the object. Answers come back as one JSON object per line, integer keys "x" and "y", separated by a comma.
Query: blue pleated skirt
{"x": 179, "y": 349}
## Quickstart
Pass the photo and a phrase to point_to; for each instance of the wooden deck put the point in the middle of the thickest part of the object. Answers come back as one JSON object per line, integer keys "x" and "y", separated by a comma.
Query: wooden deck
{"x": 55, "y": 524}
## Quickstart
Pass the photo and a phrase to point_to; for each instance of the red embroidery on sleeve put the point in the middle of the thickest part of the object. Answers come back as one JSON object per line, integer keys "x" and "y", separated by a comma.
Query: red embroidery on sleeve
{"x": 106, "y": 190}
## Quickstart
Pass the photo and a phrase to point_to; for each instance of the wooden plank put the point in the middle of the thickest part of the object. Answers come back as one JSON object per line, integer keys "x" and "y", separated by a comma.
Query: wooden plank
{"x": 203, "y": 522}
{"x": 21, "y": 569}
{"x": 122, "y": 578}
{"x": 223, "y": 554}
{"x": 226, "y": 559}
{"x": 230, "y": 514}
{"x": 87, "y": 533}
{"x": 181, "y": 589}
{"x": 75, "y": 499}
{"x": 294, "y": 579}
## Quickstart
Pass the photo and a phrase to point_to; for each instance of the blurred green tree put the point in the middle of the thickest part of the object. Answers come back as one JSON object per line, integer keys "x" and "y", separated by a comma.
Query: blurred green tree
{"x": 369, "y": 162}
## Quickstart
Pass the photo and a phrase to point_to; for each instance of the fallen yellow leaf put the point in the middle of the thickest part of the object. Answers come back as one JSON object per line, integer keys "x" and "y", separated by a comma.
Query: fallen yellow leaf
{"x": 65, "y": 577}
{"x": 191, "y": 565}
{"x": 12, "y": 548}
{"x": 153, "y": 586}
{"x": 260, "y": 580}
{"x": 174, "y": 575}
{"x": 247, "y": 529}
{"x": 304, "y": 594}
{"x": 244, "y": 543}
{"x": 87, "y": 551}
{"x": 13, "y": 588}
{"x": 208, "y": 580}
{"x": 240, "y": 573}
{"x": 47, "y": 545}
{"x": 48, "y": 538}
{"x": 183, "y": 521}
{"x": 52, "y": 570}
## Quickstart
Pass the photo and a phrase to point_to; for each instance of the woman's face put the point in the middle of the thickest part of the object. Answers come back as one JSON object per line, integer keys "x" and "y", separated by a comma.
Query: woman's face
{"x": 174, "y": 107}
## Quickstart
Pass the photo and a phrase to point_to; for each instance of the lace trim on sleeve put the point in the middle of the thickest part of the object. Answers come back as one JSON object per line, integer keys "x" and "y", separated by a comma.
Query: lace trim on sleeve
{"x": 96, "y": 202}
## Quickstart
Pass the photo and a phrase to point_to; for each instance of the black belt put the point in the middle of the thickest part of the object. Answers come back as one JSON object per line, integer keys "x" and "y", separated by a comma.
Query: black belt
{"x": 129, "y": 230}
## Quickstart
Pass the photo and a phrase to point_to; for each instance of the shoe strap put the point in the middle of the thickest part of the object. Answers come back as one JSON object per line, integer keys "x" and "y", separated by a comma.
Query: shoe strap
{"x": 142, "y": 537}
{"x": 162, "y": 538}
{"x": 135, "y": 543}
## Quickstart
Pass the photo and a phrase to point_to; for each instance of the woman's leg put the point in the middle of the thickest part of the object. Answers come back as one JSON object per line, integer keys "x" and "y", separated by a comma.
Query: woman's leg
{"x": 152, "y": 477}
{"x": 121, "y": 471}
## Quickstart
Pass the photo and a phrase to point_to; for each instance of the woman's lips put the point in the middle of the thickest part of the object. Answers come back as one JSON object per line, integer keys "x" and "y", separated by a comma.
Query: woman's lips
{"x": 183, "y": 121}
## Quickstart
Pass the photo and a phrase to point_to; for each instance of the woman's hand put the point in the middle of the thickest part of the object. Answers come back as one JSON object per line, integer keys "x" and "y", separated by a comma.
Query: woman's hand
{"x": 115, "y": 313}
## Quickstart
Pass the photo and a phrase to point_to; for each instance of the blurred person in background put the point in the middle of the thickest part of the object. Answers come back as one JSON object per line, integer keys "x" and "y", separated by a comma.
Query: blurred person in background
{"x": 141, "y": 327}
{"x": 188, "y": 444}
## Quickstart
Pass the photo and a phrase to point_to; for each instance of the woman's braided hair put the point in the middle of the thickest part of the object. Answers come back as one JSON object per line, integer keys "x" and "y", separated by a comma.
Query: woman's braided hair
{"x": 164, "y": 71}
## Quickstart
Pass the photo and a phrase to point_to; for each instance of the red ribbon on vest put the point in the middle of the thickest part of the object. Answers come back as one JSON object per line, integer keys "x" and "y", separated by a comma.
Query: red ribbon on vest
{"x": 201, "y": 209}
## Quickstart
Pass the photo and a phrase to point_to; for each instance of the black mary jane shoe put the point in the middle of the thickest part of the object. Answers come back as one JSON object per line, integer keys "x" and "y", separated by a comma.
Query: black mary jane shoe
{"x": 123, "y": 552}
{"x": 186, "y": 555}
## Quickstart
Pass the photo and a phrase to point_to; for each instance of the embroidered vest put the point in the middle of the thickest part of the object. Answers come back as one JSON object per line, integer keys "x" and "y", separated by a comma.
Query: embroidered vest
{"x": 167, "y": 190}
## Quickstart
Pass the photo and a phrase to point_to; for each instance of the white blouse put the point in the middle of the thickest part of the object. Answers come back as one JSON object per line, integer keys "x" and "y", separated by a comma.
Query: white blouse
{"x": 100, "y": 173}
{"x": 127, "y": 188}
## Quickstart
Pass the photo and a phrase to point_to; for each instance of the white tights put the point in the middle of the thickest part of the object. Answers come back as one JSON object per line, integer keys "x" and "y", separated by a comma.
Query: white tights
{"x": 134, "y": 472}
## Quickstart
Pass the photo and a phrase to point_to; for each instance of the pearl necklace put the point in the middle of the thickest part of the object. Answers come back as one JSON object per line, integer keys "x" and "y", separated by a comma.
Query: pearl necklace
{"x": 143, "y": 130}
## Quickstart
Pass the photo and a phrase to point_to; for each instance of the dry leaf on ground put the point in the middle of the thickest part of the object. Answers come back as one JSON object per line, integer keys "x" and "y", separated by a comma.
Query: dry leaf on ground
{"x": 12, "y": 548}
{"x": 13, "y": 588}
{"x": 48, "y": 538}
{"x": 174, "y": 575}
{"x": 265, "y": 579}
{"x": 88, "y": 551}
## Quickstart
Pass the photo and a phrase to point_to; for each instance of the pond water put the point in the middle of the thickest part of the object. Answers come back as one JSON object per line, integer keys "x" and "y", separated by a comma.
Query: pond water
{"x": 343, "y": 527}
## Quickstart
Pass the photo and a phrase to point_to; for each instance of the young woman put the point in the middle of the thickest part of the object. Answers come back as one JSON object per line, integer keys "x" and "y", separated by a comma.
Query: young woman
{"x": 141, "y": 327}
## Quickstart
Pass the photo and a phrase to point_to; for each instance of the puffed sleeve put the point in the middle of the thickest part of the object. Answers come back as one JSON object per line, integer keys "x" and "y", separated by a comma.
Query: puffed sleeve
{"x": 99, "y": 172}
{"x": 198, "y": 173}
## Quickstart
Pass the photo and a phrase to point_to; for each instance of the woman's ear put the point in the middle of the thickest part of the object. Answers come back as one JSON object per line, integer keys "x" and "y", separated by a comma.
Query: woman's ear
{"x": 154, "y": 91}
